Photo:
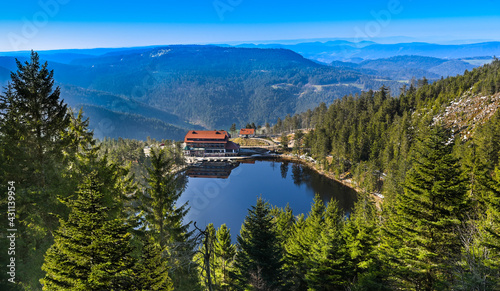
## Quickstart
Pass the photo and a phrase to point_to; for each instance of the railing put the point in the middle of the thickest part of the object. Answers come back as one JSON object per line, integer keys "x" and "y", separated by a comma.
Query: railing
{"x": 214, "y": 155}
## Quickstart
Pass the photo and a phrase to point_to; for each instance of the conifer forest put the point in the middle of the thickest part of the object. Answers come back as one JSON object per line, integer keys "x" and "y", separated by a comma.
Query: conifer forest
{"x": 94, "y": 214}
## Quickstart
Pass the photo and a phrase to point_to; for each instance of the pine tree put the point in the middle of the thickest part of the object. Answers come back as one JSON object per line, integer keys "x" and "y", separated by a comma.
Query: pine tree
{"x": 91, "y": 249}
{"x": 160, "y": 199}
{"x": 492, "y": 227}
{"x": 259, "y": 259}
{"x": 225, "y": 252}
{"x": 32, "y": 121}
{"x": 284, "y": 141}
{"x": 428, "y": 212}
{"x": 362, "y": 238}
{"x": 165, "y": 219}
{"x": 40, "y": 120}
{"x": 297, "y": 141}
{"x": 151, "y": 269}
{"x": 328, "y": 263}
{"x": 206, "y": 257}
{"x": 232, "y": 130}
{"x": 306, "y": 233}
{"x": 284, "y": 221}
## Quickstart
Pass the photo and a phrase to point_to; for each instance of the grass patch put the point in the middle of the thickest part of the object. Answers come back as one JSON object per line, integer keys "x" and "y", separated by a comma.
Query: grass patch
{"x": 248, "y": 142}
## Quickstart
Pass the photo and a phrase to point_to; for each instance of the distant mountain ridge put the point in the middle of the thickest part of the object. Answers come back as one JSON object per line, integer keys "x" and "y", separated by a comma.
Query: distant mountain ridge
{"x": 347, "y": 51}
{"x": 204, "y": 86}
{"x": 408, "y": 67}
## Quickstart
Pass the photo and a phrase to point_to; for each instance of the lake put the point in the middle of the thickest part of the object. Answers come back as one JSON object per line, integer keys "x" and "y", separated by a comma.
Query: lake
{"x": 222, "y": 193}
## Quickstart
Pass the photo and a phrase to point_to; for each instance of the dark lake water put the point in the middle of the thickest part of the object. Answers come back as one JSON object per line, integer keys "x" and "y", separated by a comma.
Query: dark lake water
{"x": 223, "y": 194}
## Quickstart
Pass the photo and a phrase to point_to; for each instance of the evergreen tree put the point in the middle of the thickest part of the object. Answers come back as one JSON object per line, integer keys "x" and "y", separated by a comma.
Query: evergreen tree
{"x": 232, "y": 130}
{"x": 225, "y": 252}
{"x": 151, "y": 269}
{"x": 165, "y": 219}
{"x": 362, "y": 238}
{"x": 297, "y": 141}
{"x": 284, "y": 141}
{"x": 159, "y": 201}
{"x": 33, "y": 121}
{"x": 328, "y": 263}
{"x": 306, "y": 234}
{"x": 284, "y": 221}
{"x": 40, "y": 120}
{"x": 206, "y": 257}
{"x": 91, "y": 249}
{"x": 259, "y": 259}
{"x": 492, "y": 222}
{"x": 428, "y": 212}
{"x": 278, "y": 127}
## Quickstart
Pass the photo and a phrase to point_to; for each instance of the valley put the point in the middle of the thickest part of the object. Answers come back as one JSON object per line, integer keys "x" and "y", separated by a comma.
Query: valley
{"x": 186, "y": 87}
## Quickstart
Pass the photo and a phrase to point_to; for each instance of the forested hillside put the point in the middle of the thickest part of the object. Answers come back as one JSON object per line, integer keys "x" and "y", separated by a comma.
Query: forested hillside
{"x": 84, "y": 222}
{"x": 437, "y": 227}
{"x": 107, "y": 123}
{"x": 372, "y": 132}
{"x": 408, "y": 67}
{"x": 214, "y": 87}
{"x": 81, "y": 97}
{"x": 208, "y": 86}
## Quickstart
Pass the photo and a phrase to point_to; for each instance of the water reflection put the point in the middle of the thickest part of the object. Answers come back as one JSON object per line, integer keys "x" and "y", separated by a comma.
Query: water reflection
{"x": 300, "y": 175}
{"x": 284, "y": 169}
{"x": 219, "y": 170}
{"x": 222, "y": 192}
{"x": 297, "y": 174}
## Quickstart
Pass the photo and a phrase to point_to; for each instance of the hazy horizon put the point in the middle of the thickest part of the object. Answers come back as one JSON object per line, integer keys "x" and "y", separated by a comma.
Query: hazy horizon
{"x": 66, "y": 24}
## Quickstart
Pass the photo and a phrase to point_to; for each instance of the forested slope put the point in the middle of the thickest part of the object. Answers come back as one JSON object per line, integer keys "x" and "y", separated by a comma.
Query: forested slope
{"x": 208, "y": 86}
{"x": 372, "y": 129}
{"x": 107, "y": 123}
{"x": 77, "y": 206}
{"x": 438, "y": 226}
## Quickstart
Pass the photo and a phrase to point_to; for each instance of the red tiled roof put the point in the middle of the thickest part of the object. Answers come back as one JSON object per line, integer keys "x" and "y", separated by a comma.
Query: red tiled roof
{"x": 244, "y": 131}
{"x": 214, "y": 136}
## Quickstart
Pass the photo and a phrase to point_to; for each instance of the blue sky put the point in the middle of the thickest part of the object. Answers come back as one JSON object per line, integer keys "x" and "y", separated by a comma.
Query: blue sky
{"x": 58, "y": 24}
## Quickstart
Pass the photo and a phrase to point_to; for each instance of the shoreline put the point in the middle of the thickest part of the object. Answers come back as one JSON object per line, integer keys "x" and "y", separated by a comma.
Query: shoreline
{"x": 346, "y": 182}
{"x": 190, "y": 161}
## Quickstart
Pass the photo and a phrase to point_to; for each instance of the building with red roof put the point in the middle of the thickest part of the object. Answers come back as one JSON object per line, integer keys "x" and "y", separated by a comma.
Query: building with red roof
{"x": 247, "y": 132}
{"x": 209, "y": 143}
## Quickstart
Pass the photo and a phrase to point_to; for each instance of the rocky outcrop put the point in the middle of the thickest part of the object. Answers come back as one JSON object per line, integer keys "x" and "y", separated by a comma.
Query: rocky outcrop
{"x": 464, "y": 114}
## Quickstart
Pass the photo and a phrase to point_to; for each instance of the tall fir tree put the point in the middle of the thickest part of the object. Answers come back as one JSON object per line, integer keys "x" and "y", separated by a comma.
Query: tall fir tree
{"x": 159, "y": 200}
{"x": 33, "y": 120}
{"x": 165, "y": 219}
{"x": 362, "y": 235}
{"x": 306, "y": 233}
{"x": 492, "y": 221}
{"x": 206, "y": 257}
{"x": 328, "y": 262}
{"x": 428, "y": 212}
{"x": 225, "y": 252}
{"x": 259, "y": 260}
{"x": 151, "y": 269}
{"x": 91, "y": 249}
{"x": 41, "y": 118}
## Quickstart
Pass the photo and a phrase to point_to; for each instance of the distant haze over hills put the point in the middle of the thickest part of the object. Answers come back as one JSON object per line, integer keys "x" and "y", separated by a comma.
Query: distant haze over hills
{"x": 325, "y": 50}
{"x": 342, "y": 50}
{"x": 164, "y": 91}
